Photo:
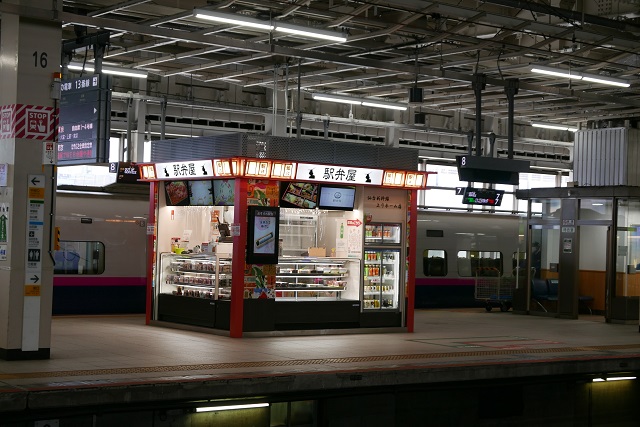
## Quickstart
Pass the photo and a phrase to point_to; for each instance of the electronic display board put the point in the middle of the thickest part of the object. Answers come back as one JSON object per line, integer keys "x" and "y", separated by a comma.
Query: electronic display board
{"x": 480, "y": 196}
{"x": 262, "y": 235}
{"x": 84, "y": 120}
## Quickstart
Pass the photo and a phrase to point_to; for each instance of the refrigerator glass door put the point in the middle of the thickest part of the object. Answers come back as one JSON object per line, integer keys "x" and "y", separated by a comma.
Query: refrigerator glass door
{"x": 373, "y": 234}
{"x": 381, "y": 279}
{"x": 371, "y": 291}
{"x": 391, "y": 234}
{"x": 390, "y": 278}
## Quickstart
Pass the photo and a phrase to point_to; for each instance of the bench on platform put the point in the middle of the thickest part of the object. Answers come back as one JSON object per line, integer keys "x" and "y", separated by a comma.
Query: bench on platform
{"x": 547, "y": 290}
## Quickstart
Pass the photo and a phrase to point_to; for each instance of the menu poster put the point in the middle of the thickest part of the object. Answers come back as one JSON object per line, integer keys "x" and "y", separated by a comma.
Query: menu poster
{"x": 262, "y": 247}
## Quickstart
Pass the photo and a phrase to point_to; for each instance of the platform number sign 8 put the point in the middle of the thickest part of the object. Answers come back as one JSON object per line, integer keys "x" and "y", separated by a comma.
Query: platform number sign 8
{"x": 463, "y": 161}
{"x": 40, "y": 59}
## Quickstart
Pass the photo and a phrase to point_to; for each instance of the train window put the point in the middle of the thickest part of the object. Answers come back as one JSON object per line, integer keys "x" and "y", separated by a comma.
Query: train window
{"x": 434, "y": 263}
{"x": 76, "y": 257}
{"x": 471, "y": 263}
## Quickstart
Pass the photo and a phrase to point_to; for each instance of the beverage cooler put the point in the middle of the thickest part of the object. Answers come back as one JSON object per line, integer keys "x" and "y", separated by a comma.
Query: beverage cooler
{"x": 381, "y": 279}
{"x": 382, "y": 234}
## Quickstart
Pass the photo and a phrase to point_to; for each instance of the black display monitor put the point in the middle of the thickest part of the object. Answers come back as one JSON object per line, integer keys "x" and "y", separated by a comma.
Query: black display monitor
{"x": 177, "y": 193}
{"x": 298, "y": 195}
{"x": 262, "y": 235}
{"x": 337, "y": 198}
{"x": 223, "y": 192}
{"x": 200, "y": 193}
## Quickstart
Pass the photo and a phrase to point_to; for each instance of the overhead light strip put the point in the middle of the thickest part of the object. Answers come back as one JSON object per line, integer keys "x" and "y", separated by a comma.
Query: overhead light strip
{"x": 311, "y": 32}
{"x": 554, "y": 126}
{"x": 231, "y": 407}
{"x": 107, "y": 69}
{"x": 594, "y": 78}
{"x": 285, "y": 27}
{"x": 607, "y": 379}
{"x": 227, "y": 18}
{"x": 365, "y": 102}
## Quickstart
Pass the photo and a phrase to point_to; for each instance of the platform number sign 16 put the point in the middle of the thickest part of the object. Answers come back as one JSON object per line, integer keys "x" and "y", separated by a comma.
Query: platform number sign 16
{"x": 40, "y": 59}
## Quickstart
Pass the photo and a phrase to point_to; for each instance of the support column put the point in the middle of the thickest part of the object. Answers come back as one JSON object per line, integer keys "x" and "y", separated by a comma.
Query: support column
{"x": 30, "y": 50}
{"x": 239, "y": 256}
{"x": 392, "y": 137}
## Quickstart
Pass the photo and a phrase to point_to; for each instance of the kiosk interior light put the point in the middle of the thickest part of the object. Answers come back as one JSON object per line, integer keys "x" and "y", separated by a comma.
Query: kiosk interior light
{"x": 236, "y": 166}
{"x": 258, "y": 168}
{"x": 594, "y": 78}
{"x": 555, "y": 126}
{"x": 393, "y": 178}
{"x": 414, "y": 180}
{"x": 109, "y": 70}
{"x": 283, "y": 170}
{"x": 231, "y": 407}
{"x": 222, "y": 167}
{"x": 147, "y": 171}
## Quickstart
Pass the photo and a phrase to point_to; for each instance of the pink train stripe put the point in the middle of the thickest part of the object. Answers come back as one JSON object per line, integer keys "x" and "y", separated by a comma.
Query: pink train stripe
{"x": 98, "y": 281}
{"x": 442, "y": 281}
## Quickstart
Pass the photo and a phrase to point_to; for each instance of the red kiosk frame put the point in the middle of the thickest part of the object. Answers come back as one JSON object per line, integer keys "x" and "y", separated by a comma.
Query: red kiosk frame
{"x": 243, "y": 169}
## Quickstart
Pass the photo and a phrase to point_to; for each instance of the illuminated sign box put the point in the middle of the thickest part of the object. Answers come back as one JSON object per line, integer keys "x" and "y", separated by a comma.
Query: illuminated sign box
{"x": 338, "y": 174}
{"x": 480, "y": 196}
{"x": 185, "y": 170}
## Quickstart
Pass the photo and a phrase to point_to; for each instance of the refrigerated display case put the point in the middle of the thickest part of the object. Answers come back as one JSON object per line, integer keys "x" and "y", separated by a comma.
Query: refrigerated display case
{"x": 382, "y": 234}
{"x": 191, "y": 286}
{"x": 381, "y": 283}
{"x": 315, "y": 279}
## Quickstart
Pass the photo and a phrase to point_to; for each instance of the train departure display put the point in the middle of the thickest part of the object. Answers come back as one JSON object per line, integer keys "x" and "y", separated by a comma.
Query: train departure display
{"x": 83, "y": 129}
{"x": 480, "y": 196}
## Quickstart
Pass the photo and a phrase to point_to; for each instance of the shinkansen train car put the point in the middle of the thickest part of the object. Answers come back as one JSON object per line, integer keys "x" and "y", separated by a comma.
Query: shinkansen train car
{"x": 452, "y": 248}
{"x": 100, "y": 267}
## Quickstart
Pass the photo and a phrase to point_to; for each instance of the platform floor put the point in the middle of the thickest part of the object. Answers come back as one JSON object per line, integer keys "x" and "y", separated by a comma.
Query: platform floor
{"x": 112, "y": 358}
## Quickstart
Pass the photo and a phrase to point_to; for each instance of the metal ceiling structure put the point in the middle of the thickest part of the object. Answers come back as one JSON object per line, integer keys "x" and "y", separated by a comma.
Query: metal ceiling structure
{"x": 206, "y": 70}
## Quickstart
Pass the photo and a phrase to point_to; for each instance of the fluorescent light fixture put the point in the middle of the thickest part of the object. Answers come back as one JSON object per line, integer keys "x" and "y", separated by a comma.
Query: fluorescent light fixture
{"x": 365, "y": 102}
{"x": 557, "y": 72}
{"x": 337, "y": 98}
{"x": 594, "y": 78}
{"x": 382, "y": 104}
{"x": 107, "y": 69}
{"x": 235, "y": 19}
{"x": 599, "y": 380}
{"x": 315, "y": 33}
{"x": 554, "y": 126}
{"x": 231, "y": 407}
{"x": 612, "y": 81}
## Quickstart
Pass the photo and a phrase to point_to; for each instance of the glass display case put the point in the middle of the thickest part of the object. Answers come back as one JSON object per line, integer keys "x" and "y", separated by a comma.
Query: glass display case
{"x": 195, "y": 275}
{"x": 381, "y": 279}
{"x": 298, "y": 231}
{"x": 317, "y": 278}
{"x": 382, "y": 233}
